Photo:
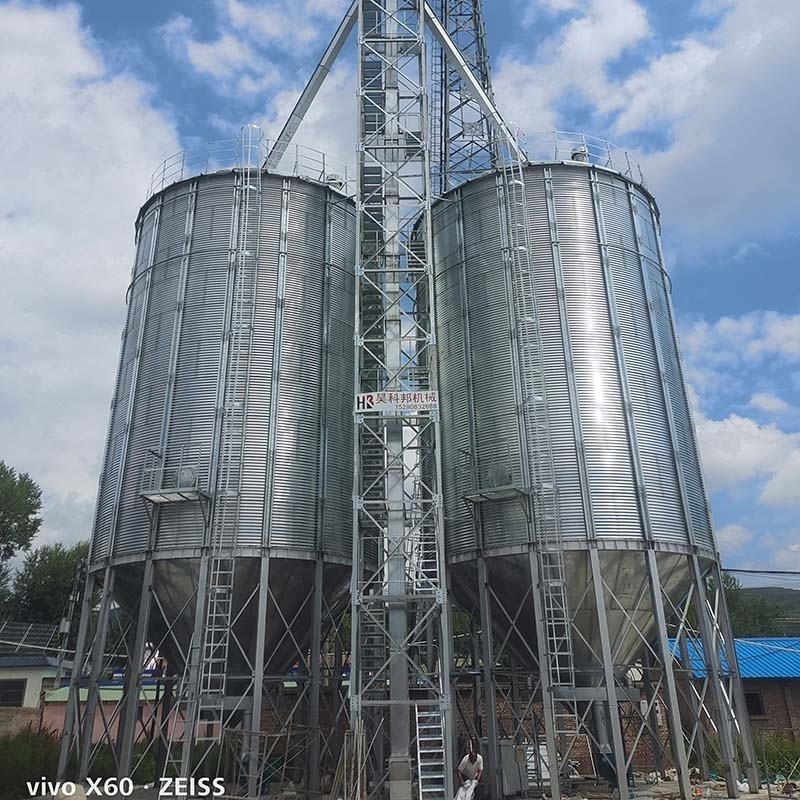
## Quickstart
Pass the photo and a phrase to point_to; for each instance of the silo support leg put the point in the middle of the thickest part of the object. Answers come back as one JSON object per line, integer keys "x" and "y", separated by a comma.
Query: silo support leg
{"x": 98, "y": 659}
{"x": 72, "y": 714}
{"x": 313, "y": 754}
{"x": 667, "y": 663}
{"x": 713, "y": 665}
{"x": 133, "y": 675}
{"x": 698, "y": 735}
{"x": 254, "y": 745}
{"x": 492, "y": 736}
{"x": 739, "y": 704}
{"x": 607, "y": 653}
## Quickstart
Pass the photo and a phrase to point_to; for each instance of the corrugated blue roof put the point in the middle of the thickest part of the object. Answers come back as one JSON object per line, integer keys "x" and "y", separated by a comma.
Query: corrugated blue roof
{"x": 27, "y": 661}
{"x": 777, "y": 657}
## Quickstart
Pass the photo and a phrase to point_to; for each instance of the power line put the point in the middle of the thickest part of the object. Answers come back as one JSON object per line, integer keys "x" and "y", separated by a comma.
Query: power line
{"x": 765, "y": 571}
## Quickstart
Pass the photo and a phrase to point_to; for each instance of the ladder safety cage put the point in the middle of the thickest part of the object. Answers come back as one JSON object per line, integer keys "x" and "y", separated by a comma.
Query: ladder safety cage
{"x": 202, "y": 689}
{"x": 557, "y": 663}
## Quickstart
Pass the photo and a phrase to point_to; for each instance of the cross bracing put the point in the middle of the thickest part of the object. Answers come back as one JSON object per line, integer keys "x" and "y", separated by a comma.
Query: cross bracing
{"x": 426, "y": 125}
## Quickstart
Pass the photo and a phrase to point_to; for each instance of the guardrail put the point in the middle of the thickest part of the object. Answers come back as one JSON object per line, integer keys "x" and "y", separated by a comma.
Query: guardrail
{"x": 250, "y": 149}
{"x": 571, "y": 146}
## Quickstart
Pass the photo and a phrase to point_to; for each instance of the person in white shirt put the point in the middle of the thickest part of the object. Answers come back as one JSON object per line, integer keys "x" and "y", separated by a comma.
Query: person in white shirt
{"x": 471, "y": 767}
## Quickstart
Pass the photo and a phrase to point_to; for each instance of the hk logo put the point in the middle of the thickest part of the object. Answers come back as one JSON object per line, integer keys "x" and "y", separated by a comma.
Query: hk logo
{"x": 365, "y": 402}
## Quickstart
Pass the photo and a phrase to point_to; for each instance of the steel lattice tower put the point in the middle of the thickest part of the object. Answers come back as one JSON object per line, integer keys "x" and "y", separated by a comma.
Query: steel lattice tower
{"x": 464, "y": 143}
{"x": 401, "y": 636}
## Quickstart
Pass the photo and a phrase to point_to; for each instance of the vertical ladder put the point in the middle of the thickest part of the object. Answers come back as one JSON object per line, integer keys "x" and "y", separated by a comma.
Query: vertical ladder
{"x": 219, "y": 595}
{"x": 374, "y": 654}
{"x": 438, "y": 115}
{"x": 430, "y": 751}
{"x": 559, "y": 659}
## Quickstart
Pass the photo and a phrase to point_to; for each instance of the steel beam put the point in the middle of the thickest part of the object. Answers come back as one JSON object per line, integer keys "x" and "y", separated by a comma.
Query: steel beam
{"x": 309, "y": 93}
{"x": 482, "y": 97}
{"x": 742, "y": 718}
{"x": 72, "y": 713}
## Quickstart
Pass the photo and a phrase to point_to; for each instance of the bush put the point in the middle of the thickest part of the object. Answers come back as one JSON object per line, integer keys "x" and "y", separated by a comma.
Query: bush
{"x": 776, "y": 756}
{"x": 25, "y": 757}
{"x": 32, "y": 754}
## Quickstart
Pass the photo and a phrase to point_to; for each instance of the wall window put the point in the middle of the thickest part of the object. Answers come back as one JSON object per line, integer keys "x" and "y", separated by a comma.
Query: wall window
{"x": 12, "y": 693}
{"x": 755, "y": 704}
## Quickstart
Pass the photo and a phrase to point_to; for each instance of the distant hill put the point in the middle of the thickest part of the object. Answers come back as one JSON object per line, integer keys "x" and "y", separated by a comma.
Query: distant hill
{"x": 788, "y": 598}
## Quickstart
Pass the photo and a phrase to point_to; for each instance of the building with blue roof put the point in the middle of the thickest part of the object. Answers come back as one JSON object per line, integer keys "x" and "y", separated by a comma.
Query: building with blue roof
{"x": 770, "y": 670}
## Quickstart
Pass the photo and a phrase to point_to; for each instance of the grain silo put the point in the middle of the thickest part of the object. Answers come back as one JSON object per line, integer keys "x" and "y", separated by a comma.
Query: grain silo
{"x": 223, "y": 528}
{"x": 455, "y": 391}
{"x": 576, "y": 513}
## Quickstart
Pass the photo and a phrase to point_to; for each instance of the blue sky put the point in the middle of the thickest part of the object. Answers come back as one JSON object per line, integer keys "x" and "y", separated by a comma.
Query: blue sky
{"x": 703, "y": 92}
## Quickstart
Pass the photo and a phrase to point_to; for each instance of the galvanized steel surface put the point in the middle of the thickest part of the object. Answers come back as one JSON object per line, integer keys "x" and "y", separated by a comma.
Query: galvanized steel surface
{"x": 606, "y": 323}
{"x": 165, "y": 397}
{"x": 624, "y": 453}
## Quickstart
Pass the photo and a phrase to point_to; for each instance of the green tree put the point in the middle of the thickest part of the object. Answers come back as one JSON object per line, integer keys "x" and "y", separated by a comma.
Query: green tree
{"x": 6, "y": 576}
{"x": 751, "y": 616}
{"x": 20, "y": 504}
{"x": 42, "y": 586}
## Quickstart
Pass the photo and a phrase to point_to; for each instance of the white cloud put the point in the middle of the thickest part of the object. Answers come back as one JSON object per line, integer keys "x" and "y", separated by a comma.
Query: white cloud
{"x": 732, "y": 537}
{"x": 330, "y": 124}
{"x": 235, "y": 59}
{"x": 783, "y": 488}
{"x": 528, "y": 86}
{"x": 770, "y": 403}
{"x": 77, "y": 145}
{"x": 272, "y": 22}
{"x": 649, "y": 97}
{"x": 229, "y": 61}
{"x": 737, "y": 449}
{"x": 724, "y": 101}
{"x": 747, "y": 250}
{"x": 749, "y": 338}
{"x": 717, "y": 179}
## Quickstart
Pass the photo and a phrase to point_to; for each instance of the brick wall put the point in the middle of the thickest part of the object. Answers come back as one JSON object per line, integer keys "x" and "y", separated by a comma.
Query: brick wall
{"x": 16, "y": 720}
{"x": 779, "y": 702}
{"x": 643, "y": 758}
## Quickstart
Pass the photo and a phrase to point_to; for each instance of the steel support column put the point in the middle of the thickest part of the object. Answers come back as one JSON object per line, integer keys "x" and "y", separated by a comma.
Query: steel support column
{"x": 133, "y": 674}
{"x": 713, "y": 665}
{"x": 742, "y": 719}
{"x": 313, "y": 755}
{"x": 254, "y": 744}
{"x": 72, "y": 717}
{"x": 695, "y": 709}
{"x": 97, "y": 657}
{"x": 609, "y": 681}
{"x": 493, "y": 765}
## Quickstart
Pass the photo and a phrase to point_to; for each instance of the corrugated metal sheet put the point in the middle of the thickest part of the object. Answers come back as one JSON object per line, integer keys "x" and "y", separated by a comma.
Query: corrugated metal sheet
{"x": 758, "y": 658}
{"x": 28, "y": 662}
{"x": 177, "y": 301}
{"x": 615, "y": 311}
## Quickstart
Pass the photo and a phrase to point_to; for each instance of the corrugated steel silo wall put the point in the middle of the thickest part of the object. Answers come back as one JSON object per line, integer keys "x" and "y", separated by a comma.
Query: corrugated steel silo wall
{"x": 480, "y": 434}
{"x": 176, "y": 310}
